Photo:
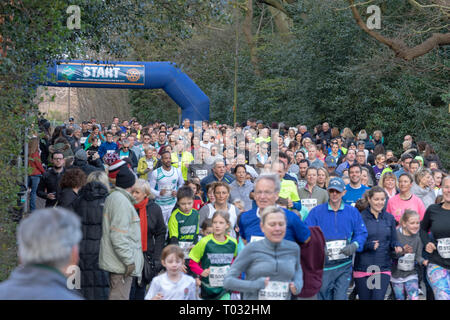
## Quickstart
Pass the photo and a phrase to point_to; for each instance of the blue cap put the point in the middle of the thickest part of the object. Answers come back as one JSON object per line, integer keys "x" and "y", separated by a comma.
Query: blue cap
{"x": 336, "y": 183}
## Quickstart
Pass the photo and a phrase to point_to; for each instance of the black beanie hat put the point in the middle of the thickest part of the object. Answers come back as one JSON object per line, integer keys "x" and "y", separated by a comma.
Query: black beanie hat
{"x": 125, "y": 178}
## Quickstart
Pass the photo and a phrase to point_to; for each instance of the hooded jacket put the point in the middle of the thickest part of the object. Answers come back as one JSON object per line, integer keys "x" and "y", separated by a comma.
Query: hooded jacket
{"x": 89, "y": 207}
{"x": 120, "y": 245}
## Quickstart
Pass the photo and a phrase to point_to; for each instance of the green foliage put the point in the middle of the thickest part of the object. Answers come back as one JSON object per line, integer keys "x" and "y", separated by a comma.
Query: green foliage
{"x": 35, "y": 33}
{"x": 329, "y": 71}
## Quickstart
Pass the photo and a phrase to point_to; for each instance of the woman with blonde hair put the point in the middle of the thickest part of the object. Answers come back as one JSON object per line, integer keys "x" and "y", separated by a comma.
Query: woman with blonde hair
{"x": 153, "y": 232}
{"x": 347, "y": 136}
{"x": 366, "y": 179}
{"x": 147, "y": 163}
{"x": 421, "y": 186}
{"x": 389, "y": 183}
{"x": 306, "y": 144}
{"x": 322, "y": 178}
{"x": 271, "y": 265}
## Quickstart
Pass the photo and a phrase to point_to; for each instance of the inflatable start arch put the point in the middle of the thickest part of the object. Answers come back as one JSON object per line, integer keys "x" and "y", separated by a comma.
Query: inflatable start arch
{"x": 134, "y": 75}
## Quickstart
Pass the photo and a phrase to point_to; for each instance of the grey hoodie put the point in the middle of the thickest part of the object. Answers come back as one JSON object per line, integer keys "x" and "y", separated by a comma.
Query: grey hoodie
{"x": 427, "y": 195}
{"x": 262, "y": 259}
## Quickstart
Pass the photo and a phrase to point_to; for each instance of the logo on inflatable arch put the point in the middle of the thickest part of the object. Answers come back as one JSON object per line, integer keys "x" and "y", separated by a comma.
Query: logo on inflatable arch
{"x": 68, "y": 72}
{"x": 133, "y": 75}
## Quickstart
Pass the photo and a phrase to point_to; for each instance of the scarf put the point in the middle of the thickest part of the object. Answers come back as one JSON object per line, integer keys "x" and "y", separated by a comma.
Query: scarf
{"x": 142, "y": 209}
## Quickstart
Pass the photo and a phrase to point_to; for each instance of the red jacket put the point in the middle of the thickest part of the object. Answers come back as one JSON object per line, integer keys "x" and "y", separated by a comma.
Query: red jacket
{"x": 34, "y": 162}
{"x": 312, "y": 258}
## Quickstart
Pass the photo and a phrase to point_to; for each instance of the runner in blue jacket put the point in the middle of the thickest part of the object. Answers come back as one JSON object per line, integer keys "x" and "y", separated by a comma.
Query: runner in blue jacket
{"x": 345, "y": 233}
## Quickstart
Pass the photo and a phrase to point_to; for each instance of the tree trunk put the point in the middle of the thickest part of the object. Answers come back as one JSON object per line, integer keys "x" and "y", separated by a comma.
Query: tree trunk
{"x": 247, "y": 29}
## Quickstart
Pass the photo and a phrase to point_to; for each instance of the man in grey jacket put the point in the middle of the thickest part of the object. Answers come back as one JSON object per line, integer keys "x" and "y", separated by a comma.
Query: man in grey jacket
{"x": 48, "y": 253}
{"x": 120, "y": 246}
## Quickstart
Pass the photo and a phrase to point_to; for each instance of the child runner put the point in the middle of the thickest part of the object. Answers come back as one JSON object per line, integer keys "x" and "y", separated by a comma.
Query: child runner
{"x": 405, "y": 280}
{"x": 183, "y": 223}
{"x": 198, "y": 203}
{"x": 205, "y": 229}
{"x": 212, "y": 256}
{"x": 173, "y": 284}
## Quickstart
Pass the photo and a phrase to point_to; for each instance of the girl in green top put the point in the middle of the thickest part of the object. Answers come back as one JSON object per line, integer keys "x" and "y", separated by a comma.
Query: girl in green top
{"x": 211, "y": 258}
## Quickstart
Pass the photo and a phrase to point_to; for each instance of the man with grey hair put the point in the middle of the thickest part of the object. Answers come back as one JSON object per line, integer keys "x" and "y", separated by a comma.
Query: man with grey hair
{"x": 304, "y": 131}
{"x": 48, "y": 245}
{"x": 267, "y": 189}
{"x": 219, "y": 173}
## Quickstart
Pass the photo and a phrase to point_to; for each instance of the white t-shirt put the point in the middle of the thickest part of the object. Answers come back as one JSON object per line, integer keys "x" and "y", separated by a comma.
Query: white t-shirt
{"x": 206, "y": 145}
{"x": 232, "y": 210}
{"x": 183, "y": 289}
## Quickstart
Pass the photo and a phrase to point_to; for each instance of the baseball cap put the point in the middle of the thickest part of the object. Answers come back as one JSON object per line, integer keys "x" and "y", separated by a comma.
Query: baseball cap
{"x": 330, "y": 162}
{"x": 259, "y": 121}
{"x": 336, "y": 183}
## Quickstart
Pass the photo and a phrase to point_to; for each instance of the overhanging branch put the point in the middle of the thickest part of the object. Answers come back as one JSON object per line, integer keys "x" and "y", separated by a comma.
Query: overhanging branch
{"x": 397, "y": 45}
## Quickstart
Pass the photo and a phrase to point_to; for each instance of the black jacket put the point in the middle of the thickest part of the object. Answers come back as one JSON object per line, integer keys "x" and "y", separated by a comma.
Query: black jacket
{"x": 156, "y": 233}
{"x": 66, "y": 198}
{"x": 49, "y": 183}
{"x": 325, "y": 136}
{"x": 89, "y": 207}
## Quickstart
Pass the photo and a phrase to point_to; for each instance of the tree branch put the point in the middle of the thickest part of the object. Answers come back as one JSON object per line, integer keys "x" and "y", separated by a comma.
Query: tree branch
{"x": 397, "y": 45}
{"x": 275, "y": 4}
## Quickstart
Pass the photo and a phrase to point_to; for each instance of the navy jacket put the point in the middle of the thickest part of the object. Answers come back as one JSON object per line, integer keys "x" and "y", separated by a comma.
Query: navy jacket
{"x": 212, "y": 178}
{"x": 381, "y": 229}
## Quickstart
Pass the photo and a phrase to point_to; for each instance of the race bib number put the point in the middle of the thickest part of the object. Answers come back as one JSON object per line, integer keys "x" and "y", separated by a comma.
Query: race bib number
{"x": 256, "y": 238}
{"x": 217, "y": 275}
{"x": 443, "y": 248}
{"x": 185, "y": 246}
{"x": 110, "y": 151}
{"x": 168, "y": 193}
{"x": 406, "y": 263}
{"x": 275, "y": 290}
{"x": 309, "y": 203}
{"x": 334, "y": 248}
{"x": 201, "y": 173}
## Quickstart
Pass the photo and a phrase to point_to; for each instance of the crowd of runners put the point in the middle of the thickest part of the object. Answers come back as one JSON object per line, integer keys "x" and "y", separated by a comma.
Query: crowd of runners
{"x": 228, "y": 212}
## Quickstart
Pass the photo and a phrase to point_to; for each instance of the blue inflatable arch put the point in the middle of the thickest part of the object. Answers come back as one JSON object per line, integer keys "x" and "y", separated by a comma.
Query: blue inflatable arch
{"x": 134, "y": 75}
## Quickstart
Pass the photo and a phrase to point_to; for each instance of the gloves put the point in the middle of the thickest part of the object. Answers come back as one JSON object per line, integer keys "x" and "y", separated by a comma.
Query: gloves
{"x": 350, "y": 249}
{"x": 129, "y": 270}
